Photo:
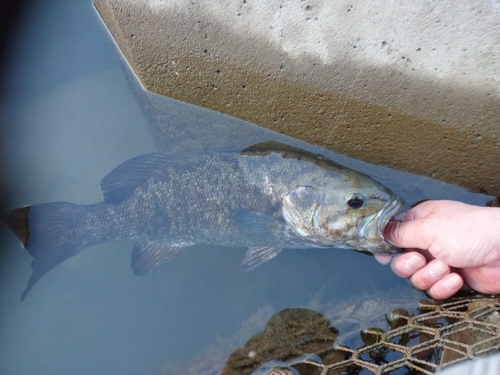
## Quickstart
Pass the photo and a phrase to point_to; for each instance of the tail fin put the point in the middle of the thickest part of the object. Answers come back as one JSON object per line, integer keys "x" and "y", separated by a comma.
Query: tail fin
{"x": 18, "y": 222}
{"x": 46, "y": 231}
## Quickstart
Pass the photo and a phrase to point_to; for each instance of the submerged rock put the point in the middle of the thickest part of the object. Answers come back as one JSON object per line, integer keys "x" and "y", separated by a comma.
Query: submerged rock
{"x": 289, "y": 334}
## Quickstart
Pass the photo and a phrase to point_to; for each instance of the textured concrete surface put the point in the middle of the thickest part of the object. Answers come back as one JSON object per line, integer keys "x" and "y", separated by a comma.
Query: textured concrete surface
{"x": 411, "y": 85}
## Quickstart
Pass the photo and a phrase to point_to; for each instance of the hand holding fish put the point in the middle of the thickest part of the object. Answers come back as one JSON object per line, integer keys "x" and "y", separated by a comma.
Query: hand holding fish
{"x": 448, "y": 244}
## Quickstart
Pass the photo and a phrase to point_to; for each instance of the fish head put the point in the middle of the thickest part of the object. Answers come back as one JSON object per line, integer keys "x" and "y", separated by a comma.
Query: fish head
{"x": 348, "y": 212}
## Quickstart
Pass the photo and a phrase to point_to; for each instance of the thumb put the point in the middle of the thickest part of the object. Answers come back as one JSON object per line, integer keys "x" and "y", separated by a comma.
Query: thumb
{"x": 406, "y": 234}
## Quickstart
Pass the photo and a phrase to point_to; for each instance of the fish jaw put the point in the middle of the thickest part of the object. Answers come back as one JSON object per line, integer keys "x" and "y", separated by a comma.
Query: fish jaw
{"x": 372, "y": 229}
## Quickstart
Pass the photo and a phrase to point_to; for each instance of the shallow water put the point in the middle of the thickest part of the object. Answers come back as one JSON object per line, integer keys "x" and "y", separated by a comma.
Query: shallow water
{"x": 68, "y": 118}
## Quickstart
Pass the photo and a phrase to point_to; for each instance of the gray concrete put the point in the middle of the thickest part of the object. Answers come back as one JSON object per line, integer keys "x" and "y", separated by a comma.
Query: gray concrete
{"x": 411, "y": 85}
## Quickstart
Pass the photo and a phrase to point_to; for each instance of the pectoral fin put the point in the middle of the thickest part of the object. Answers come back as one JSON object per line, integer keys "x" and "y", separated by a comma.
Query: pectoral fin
{"x": 255, "y": 256}
{"x": 148, "y": 256}
{"x": 259, "y": 228}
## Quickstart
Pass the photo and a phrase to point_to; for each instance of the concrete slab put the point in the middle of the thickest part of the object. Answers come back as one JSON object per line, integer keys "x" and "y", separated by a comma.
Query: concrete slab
{"x": 411, "y": 85}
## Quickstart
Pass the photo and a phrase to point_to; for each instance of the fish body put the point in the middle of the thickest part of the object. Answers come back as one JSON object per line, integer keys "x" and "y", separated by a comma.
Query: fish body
{"x": 267, "y": 197}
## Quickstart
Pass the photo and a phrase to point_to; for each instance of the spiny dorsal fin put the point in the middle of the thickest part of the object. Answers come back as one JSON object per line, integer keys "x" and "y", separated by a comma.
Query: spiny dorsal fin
{"x": 291, "y": 152}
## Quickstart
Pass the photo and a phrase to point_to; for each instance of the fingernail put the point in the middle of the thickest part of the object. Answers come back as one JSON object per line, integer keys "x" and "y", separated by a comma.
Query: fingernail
{"x": 399, "y": 217}
{"x": 438, "y": 270}
{"x": 453, "y": 282}
{"x": 383, "y": 258}
{"x": 414, "y": 263}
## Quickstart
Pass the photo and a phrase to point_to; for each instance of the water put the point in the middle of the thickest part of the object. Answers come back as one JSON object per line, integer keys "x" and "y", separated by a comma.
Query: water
{"x": 68, "y": 118}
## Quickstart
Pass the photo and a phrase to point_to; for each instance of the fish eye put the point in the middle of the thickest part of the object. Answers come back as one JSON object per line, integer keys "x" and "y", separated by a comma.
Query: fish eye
{"x": 355, "y": 201}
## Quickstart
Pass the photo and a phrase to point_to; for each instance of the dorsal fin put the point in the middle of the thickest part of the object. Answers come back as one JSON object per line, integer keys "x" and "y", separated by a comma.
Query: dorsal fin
{"x": 121, "y": 182}
{"x": 291, "y": 152}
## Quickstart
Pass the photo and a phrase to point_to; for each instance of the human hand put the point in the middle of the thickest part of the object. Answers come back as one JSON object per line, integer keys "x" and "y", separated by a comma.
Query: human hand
{"x": 447, "y": 243}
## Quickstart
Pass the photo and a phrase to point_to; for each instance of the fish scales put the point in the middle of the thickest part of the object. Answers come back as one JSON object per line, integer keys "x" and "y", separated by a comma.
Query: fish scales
{"x": 267, "y": 197}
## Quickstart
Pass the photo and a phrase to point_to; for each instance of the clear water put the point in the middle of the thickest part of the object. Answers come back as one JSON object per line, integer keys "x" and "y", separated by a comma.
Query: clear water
{"x": 68, "y": 118}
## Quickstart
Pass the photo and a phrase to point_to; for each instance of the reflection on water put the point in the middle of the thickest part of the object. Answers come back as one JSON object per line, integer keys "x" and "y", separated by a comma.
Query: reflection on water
{"x": 91, "y": 314}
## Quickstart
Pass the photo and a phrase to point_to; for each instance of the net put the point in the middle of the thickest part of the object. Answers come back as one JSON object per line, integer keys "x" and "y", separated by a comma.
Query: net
{"x": 438, "y": 335}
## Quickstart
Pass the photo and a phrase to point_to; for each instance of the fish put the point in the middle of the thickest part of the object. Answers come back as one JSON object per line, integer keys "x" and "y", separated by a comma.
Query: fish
{"x": 267, "y": 197}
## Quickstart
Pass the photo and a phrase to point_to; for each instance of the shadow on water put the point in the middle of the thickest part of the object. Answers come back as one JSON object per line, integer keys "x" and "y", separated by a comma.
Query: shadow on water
{"x": 70, "y": 116}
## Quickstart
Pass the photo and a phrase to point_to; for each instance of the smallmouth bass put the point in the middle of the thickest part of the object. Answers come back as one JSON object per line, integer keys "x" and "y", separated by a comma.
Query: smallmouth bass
{"x": 268, "y": 197}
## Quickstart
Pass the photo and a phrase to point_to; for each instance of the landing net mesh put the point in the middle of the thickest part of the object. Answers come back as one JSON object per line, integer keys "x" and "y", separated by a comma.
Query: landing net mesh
{"x": 438, "y": 335}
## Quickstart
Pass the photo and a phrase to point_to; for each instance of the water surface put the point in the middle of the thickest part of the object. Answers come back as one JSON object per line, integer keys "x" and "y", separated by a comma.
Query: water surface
{"x": 68, "y": 117}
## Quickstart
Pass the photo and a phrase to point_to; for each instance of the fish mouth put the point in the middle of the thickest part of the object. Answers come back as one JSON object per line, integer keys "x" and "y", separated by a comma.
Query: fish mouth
{"x": 374, "y": 228}
{"x": 388, "y": 213}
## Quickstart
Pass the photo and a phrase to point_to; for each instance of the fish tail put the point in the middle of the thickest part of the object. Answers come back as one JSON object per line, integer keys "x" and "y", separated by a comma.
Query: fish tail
{"x": 47, "y": 232}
